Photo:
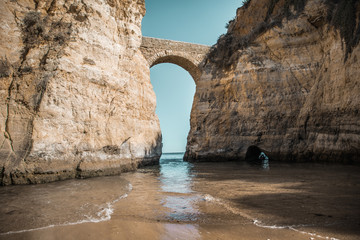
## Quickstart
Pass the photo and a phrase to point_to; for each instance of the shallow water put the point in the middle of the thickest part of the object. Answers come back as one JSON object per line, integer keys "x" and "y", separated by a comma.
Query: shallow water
{"x": 180, "y": 200}
{"x": 29, "y": 207}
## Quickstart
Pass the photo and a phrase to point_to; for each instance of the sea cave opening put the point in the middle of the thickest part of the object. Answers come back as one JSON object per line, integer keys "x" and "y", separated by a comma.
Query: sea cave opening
{"x": 257, "y": 156}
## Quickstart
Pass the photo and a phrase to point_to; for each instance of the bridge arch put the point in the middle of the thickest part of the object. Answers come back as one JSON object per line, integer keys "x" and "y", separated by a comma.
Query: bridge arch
{"x": 181, "y": 61}
{"x": 186, "y": 55}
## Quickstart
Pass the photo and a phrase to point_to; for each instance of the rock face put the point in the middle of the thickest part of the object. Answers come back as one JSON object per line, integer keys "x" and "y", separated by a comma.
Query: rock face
{"x": 285, "y": 78}
{"x": 76, "y": 98}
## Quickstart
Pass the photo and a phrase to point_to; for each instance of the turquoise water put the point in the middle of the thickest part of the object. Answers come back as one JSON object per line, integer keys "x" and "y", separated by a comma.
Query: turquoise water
{"x": 176, "y": 181}
{"x": 285, "y": 196}
{"x": 175, "y": 174}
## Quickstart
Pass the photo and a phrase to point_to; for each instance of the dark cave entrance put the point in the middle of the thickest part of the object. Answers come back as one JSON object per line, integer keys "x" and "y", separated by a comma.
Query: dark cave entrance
{"x": 255, "y": 155}
{"x": 252, "y": 154}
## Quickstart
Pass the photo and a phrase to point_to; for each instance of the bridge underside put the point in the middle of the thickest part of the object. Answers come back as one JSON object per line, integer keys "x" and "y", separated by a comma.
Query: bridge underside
{"x": 186, "y": 55}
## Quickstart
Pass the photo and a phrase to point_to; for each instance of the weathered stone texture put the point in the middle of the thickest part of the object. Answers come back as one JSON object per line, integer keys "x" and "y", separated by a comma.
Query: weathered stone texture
{"x": 189, "y": 56}
{"x": 76, "y": 98}
{"x": 291, "y": 91}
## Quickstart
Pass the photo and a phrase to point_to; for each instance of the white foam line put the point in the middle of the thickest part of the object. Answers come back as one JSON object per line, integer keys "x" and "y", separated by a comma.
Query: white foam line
{"x": 258, "y": 223}
{"x": 294, "y": 228}
{"x": 210, "y": 198}
{"x": 27, "y": 230}
{"x": 313, "y": 234}
{"x": 104, "y": 215}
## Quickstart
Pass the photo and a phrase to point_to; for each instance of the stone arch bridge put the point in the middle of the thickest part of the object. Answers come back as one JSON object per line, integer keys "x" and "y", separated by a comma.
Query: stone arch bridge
{"x": 186, "y": 55}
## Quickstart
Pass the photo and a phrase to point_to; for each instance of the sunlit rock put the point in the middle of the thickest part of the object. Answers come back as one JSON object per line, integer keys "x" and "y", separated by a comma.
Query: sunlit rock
{"x": 76, "y": 98}
{"x": 285, "y": 78}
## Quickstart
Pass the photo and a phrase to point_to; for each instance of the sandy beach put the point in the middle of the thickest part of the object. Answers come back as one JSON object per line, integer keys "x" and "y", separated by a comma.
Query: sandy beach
{"x": 179, "y": 200}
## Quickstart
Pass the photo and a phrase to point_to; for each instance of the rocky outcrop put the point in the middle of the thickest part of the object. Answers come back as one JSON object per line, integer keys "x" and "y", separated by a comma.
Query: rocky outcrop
{"x": 285, "y": 78}
{"x": 76, "y": 98}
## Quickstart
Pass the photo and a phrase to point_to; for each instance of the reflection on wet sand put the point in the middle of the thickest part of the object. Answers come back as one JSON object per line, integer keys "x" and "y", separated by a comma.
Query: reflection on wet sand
{"x": 183, "y": 231}
{"x": 179, "y": 200}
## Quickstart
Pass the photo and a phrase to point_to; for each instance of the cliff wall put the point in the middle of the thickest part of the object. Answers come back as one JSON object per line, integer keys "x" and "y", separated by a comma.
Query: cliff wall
{"x": 76, "y": 98}
{"x": 285, "y": 78}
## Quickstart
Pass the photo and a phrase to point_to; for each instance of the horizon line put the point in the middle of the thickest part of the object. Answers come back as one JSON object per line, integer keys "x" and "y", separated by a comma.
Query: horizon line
{"x": 172, "y": 152}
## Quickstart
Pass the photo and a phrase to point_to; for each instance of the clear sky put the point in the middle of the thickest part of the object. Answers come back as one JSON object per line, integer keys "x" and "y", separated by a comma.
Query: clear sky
{"x": 195, "y": 21}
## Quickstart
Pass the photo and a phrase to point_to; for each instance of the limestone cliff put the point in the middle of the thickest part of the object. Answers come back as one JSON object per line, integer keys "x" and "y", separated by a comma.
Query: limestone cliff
{"x": 76, "y": 98}
{"x": 285, "y": 78}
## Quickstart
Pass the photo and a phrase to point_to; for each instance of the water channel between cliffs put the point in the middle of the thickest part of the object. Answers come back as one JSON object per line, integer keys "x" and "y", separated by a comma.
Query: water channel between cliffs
{"x": 180, "y": 200}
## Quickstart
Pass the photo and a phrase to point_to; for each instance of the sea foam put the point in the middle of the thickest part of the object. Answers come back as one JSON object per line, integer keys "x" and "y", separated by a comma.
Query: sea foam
{"x": 104, "y": 214}
{"x": 258, "y": 223}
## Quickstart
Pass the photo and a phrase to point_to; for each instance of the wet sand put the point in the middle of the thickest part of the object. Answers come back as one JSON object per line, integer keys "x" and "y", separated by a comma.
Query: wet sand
{"x": 307, "y": 198}
{"x": 192, "y": 201}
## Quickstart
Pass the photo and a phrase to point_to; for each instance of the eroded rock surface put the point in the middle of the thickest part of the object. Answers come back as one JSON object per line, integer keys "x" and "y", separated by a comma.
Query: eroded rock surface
{"x": 76, "y": 98}
{"x": 285, "y": 78}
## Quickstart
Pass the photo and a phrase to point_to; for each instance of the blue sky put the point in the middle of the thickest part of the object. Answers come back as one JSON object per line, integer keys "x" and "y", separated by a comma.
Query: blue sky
{"x": 195, "y": 21}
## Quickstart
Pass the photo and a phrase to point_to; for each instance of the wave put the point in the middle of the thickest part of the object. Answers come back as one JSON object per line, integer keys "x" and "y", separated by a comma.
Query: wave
{"x": 257, "y": 222}
{"x": 172, "y": 156}
{"x": 104, "y": 214}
